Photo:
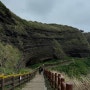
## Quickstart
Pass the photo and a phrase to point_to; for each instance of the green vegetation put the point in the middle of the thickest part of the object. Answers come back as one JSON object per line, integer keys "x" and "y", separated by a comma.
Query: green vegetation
{"x": 9, "y": 58}
{"x": 45, "y": 63}
{"x": 59, "y": 53}
{"x": 24, "y": 70}
{"x": 77, "y": 68}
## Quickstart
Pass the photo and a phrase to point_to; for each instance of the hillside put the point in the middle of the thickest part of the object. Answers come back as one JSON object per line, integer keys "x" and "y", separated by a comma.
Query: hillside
{"x": 87, "y": 35}
{"x": 35, "y": 42}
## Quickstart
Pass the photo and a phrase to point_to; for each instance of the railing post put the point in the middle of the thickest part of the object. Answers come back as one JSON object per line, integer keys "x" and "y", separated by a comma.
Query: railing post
{"x": 49, "y": 75}
{"x": 28, "y": 77}
{"x": 13, "y": 84}
{"x": 63, "y": 85}
{"x": 59, "y": 81}
{"x": 20, "y": 78}
{"x": 2, "y": 84}
{"x": 69, "y": 86}
{"x": 55, "y": 80}
{"x": 52, "y": 79}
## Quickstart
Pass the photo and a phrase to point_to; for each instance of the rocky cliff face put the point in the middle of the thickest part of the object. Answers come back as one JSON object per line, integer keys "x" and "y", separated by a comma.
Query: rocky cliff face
{"x": 39, "y": 42}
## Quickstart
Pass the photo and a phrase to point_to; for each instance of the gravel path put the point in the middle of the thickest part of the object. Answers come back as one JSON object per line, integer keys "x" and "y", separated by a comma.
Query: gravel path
{"x": 36, "y": 83}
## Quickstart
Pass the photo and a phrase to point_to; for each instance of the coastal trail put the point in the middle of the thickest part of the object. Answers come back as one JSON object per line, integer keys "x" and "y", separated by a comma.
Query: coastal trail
{"x": 37, "y": 83}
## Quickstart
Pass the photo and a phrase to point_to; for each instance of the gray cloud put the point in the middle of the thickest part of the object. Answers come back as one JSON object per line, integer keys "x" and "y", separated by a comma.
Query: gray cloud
{"x": 40, "y": 7}
{"x": 68, "y": 12}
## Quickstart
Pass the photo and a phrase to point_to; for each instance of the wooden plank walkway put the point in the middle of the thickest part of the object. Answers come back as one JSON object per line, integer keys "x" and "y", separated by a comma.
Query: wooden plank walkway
{"x": 36, "y": 83}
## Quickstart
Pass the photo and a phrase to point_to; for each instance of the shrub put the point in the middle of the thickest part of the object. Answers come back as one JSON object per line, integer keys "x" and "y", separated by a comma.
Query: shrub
{"x": 9, "y": 56}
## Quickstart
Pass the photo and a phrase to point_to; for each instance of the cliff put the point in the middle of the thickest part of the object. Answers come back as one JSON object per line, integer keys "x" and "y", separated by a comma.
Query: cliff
{"x": 36, "y": 42}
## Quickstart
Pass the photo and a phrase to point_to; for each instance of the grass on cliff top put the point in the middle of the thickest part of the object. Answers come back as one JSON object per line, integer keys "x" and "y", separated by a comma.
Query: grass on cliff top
{"x": 50, "y": 27}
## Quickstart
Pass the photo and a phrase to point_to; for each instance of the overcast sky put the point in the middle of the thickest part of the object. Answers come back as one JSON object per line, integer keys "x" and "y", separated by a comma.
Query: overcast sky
{"x": 67, "y": 12}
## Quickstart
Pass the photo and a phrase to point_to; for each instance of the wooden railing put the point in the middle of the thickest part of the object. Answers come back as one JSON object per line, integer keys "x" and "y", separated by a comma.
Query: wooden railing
{"x": 57, "y": 82}
{"x": 10, "y": 82}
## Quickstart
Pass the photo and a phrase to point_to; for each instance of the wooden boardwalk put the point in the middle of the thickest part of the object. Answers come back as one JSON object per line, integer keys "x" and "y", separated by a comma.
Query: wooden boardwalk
{"x": 36, "y": 83}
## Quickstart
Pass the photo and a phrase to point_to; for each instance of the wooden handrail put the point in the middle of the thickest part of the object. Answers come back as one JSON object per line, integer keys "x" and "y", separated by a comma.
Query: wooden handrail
{"x": 57, "y": 82}
{"x": 10, "y": 82}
